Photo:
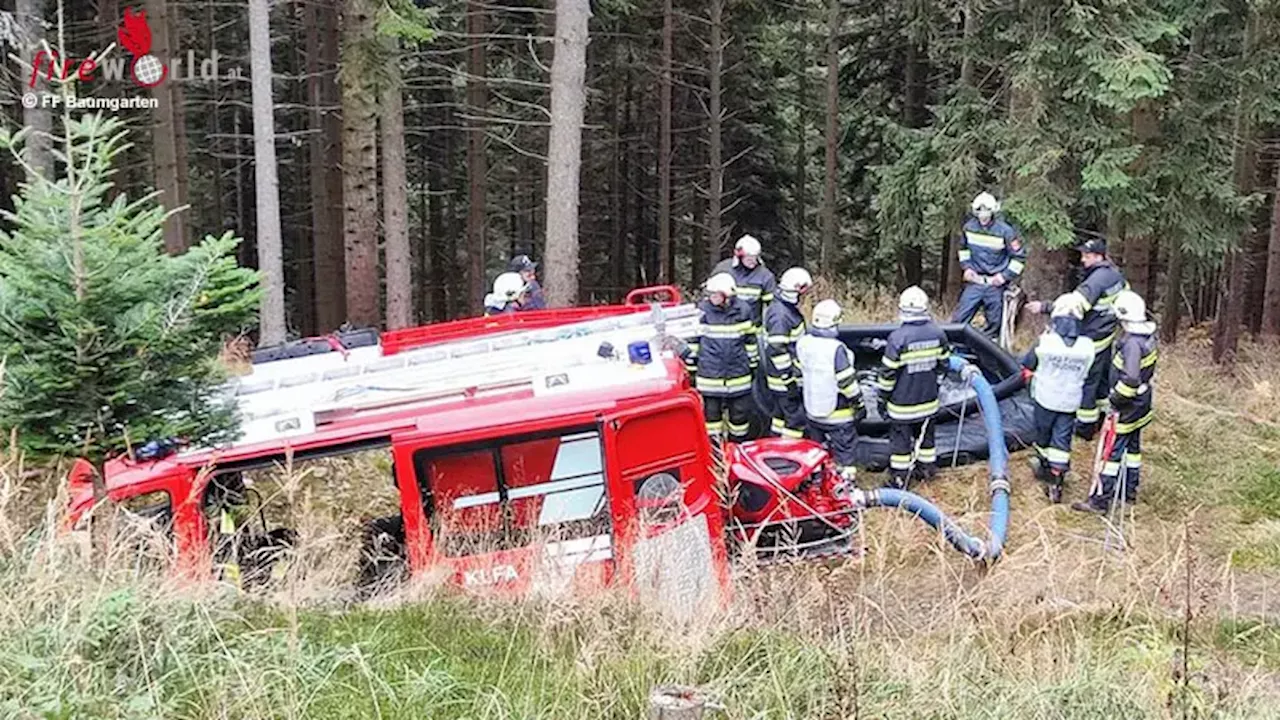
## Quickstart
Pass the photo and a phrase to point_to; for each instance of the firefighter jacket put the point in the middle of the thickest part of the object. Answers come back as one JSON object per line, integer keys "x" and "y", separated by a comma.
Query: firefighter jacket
{"x": 724, "y": 354}
{"x": 1099, "y": 288}
{"x": 831, "y": 392}
{"x": 995, "y": 249}
{"x": 1132, "y": 369}
{"x": 755, "y": 285}
{"x": 783, "y": 328}
{"x": 916, "y": 353}
{"x": 534, "y": 299}
{"x": 1060, "y": 369}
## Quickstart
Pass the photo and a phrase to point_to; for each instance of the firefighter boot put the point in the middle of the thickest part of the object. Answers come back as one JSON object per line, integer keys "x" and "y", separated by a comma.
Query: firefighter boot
{"x": 896, "y": 481}
{"x": 1092, "y": 505}
{"x": 1053, "y": 486}
{"x": 1038, "y": 468}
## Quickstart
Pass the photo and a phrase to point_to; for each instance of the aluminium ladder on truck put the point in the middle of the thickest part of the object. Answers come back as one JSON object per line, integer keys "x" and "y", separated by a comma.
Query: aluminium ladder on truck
{"x": 297, "y": 396}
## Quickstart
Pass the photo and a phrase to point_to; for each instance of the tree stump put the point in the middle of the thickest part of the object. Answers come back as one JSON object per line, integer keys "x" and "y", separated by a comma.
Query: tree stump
{"x": 676, "y": 702}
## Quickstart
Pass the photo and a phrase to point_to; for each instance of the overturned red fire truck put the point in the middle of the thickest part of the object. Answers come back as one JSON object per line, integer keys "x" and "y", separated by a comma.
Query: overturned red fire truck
{"x": 535, "y": 452}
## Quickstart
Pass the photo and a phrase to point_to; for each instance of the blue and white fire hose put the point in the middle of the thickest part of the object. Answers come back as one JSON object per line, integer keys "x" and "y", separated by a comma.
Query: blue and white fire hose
{"x": 987, "y": 550}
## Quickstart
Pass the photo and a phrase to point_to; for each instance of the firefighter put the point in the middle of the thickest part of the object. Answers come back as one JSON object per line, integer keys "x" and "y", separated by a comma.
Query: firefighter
{"x": 832, "y": 397}
{"x": 723, "y": 358}
{"x": 755, "y": 282}
{"x": 783, "y": 327}
{"x": 1060, "y": 360}
{"x": 1098, "y": 288}
{"x": 915, "y": 355}
{"x": 992, "y": 256}
{"x": 227, "y": 495}
{"x": 1132, "y": 370}
{"x": 509, "y": 292}
{"x": 528, "y": 271}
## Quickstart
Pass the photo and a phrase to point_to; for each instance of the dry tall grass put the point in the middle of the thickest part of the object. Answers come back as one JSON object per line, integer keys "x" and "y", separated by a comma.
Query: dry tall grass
{"x": 1183, "y": 623}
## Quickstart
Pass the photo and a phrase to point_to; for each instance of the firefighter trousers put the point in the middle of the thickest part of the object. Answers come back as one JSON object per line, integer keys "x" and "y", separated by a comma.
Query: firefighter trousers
{"x": 789, "y": 421}
{"x": 902, "y": 445}
{"x": 1089, "y": 416}
{"x": 987, "y": 297}
{"x": 841, "y": 440}
{"x": 1125, "y": 459}
{"x": 1053, "y": 438}
{"x": 729, "y": 411}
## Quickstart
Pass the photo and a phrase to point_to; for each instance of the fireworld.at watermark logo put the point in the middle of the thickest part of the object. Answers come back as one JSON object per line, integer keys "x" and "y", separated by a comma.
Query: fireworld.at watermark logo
{"x": 144, "y": 69}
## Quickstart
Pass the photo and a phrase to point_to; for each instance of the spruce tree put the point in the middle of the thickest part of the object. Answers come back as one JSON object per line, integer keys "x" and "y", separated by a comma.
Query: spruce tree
{"x": 108, "y": 341}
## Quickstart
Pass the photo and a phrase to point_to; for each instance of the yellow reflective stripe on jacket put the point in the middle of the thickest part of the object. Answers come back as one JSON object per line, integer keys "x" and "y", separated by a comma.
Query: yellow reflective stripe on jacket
{"x": 890, "y": 362}
{"x": 885, "y": 384}
{"x": 1124, "y": 428}
{"x": 917, "y": 355}
{"x": 748, "y": 292}
{"x": 912, "y": 412}
{"x": 746, "y": 327}
{"x": 1017, "y": 266}
{"x": 965, "y": 255}
{"x": 781, "y": 362}
{"x": 741, "y": 381}
{"x": 845, "y": 374}
{"x": 1125, "y": 390}
{"x": 983, "y": 240}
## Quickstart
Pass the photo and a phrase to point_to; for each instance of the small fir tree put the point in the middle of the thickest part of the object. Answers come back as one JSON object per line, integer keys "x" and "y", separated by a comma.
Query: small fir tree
{"x": 107, "y": 341}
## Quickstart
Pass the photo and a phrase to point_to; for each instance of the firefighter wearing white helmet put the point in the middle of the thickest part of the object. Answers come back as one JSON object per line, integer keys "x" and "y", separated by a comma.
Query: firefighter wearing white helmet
{"x": 992, "y": 255}
{"x": 916, "y": 353}
{"x": 1101, "y": 283}
{"x": 1132, "y": 371}
{"x": 756, "y": 284}
{"x": 723, "y": 357}
{"x": 783, "y": 327}
{"x": 1058, "y": 365}
{"x": 508, "y": 289}
{"x": 832, "y": 398}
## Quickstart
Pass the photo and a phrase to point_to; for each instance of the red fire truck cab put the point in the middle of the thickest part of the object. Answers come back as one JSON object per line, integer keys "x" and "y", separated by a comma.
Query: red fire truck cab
{"x": 539, "y": 463}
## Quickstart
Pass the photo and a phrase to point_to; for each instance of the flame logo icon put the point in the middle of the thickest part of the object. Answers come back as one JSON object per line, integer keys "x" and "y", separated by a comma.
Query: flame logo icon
{"x": 135, "y": 36}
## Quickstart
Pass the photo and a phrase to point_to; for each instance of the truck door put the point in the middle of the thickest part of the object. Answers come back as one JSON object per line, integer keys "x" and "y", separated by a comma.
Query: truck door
{"x": 670, "y": 530}
{"x": 518, "y": 514}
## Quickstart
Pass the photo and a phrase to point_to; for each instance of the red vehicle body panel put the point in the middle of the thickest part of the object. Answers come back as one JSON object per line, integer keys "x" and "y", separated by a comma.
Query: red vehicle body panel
{"x": 640, "y": 428}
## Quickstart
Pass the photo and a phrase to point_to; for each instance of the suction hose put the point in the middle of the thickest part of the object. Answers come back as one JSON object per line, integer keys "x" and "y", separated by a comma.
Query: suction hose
{"x": 975, "y": 548}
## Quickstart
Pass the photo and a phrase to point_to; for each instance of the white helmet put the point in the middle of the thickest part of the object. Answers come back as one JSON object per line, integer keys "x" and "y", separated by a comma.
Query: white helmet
{"x": 722, "y": 283}
{"x": 826, "y": 314}
{"x": 747, "y": 245}
{"x": 913, "y": 302}
{"x": 794, "y": 283}
{"x": 985, "y": 202}
{"x": 1068, "y": 306}
{"x": 508, "y": 286}
{"x": 1129, "y": 307}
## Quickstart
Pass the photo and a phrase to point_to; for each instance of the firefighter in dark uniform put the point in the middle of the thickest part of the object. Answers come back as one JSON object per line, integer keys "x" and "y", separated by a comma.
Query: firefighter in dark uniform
{"x": 916, "y": 353}
{"x": 755, "y": 282}
{"x": 509, "y": 294}
{"x": 723, "y": 358}
{"x": 1060, "y": 359}
{"x": 832, "y": 397}
{"x": 528, "y": 271}
{"x": 1132, "y": 370}
{"x": 783, "y": 327}
{"x": 992, "y": 255}
{"x": 1098, "y": 288}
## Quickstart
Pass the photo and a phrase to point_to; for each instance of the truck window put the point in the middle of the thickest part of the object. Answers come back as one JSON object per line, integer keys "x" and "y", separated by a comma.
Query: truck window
{"x": 513, "y": 494}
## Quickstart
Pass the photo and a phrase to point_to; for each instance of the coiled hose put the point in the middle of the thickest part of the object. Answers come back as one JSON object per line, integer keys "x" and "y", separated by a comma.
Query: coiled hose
{"x": 976, "y": 548}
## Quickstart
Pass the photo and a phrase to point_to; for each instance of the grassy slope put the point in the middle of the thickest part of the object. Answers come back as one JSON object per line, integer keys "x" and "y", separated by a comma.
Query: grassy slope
{"x": 1058, "y": 629}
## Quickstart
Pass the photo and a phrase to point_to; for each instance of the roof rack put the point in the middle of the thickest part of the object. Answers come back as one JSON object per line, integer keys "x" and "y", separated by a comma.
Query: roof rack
{"x": 298, "y": 395}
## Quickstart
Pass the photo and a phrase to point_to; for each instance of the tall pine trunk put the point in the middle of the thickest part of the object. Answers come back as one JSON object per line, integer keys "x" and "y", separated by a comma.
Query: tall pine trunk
{"x": 916, "y": 72}
{"x": 38, "y": 150}
{"x": 801, "y": 199}
{"x": 165, "y": 133}
{"x": 477, "y": 165}
{"x": 831, "y": 139}
{"x": 395, "y": 199}
{"x": 360, "y": 164}
{"x": 664, "y": 144}
{"x": 564, "y": 150}
{"x": 1271, "y": 295}
{"x": 952, "y": 275}
{"x": 715, "y": 148}
{"x": 1234, "y": 283}
{"x": 325, "y": 143}
{"x": 271, "y": 329}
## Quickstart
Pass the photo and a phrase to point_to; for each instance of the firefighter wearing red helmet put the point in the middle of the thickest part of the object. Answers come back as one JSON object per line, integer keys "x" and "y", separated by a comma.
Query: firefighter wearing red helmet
{"x": 723, "y": 358}
{"x": 783, "y": 327}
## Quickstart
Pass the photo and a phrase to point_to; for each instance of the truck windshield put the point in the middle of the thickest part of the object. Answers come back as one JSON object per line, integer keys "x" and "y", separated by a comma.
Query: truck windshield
{"x": 515, "y": 493}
